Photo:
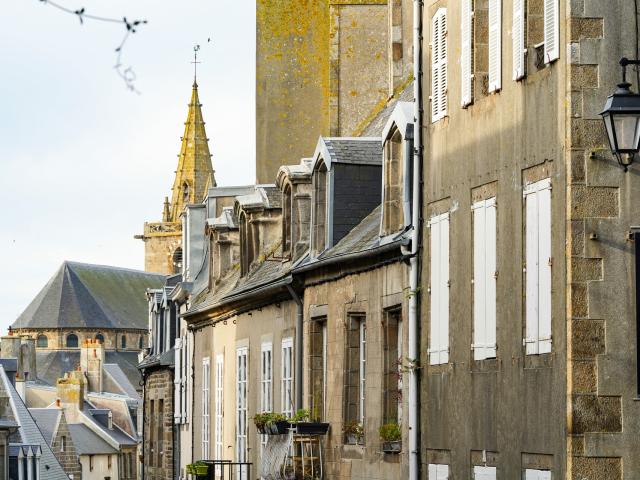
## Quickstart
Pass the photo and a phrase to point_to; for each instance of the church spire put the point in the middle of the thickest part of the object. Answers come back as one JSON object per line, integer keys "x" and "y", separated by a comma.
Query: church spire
{"x": 194, "y": 173}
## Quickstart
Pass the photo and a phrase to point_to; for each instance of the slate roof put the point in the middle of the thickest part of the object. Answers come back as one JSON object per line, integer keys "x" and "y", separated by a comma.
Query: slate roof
{"x": 120, "y": 379}
{"x": 29, "y": 433}
{"x": 165, "y": 359}
{"x": 375, "y": 127}
{"x": 80, "y": 295}
{"x": 361, "y": 151}
{"x": 53, "y": 364}
{"x": 47, "y": 420}
{"x": 87, "y": 442}
{"x": 114, "y": 433}
{"x": 364, "y": 236}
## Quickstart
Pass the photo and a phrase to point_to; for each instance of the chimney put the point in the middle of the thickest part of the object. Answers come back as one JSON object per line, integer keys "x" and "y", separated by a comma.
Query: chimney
{"x": 10, "y": 348}
{"x": 28, "y": 354}
{"x": 70, "y": 391}
{"x": 20, "y": 388}
{"x": 91, "y": 362}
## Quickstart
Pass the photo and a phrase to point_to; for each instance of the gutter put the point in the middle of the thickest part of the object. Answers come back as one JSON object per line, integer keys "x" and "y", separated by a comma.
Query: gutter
{"x": 414, "y": 265}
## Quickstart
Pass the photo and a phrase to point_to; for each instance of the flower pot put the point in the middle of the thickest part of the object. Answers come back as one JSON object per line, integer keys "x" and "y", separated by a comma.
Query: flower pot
{"x": 201, "y": 470}
{"x": 392, "y": 447}
{"x": 311, "y": 428}
{"x": 262, "y": 429}
{"x": 278, "y": 428}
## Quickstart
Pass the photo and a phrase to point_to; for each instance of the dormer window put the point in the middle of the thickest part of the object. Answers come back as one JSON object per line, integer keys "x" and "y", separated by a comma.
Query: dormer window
{"x": 177, "y": 260}
{"x": 247, "y": 240}
{"x": 286, "y": 221}
{"x": 393, "y": 217}
{"x": 320, "y": 208}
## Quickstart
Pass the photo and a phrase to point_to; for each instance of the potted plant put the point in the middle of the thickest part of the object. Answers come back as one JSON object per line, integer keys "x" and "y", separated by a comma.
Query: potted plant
{"x": 304, "y": 427}
{"x": 199, "y": 468}
{"x": 277, "y": 424}
{"x": 260, "y": 420}
{"x": 391, "y": 436}
{"x": 354, "y": 432}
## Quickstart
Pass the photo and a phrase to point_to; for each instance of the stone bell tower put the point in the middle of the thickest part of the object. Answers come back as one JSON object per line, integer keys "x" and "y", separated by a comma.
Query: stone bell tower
{"x": 194, "y": 176}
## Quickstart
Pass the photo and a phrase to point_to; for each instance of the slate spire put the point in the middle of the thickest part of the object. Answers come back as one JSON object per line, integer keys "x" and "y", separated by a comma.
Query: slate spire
{"x": 194, "y": 173}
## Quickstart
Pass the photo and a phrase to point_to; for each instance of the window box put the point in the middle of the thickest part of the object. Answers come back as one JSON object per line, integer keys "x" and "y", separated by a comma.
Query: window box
{"x": 311, "y": 428}
{"x": 278, "y": 428}
{"x": 392, "y": 447}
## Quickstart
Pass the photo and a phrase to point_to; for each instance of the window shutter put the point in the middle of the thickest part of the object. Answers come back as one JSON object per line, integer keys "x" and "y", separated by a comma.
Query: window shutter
{"x": 551, "y": 31}
{"x": 466, "y": 52}
{"x": 544, "y": 269}
{"x": 484, "y": 473}
{"x": 439, "y": 313}
{"x": 517, "y": 32}
{"x": 495, "y": 45}
{"x": 538, "y": 267}
{"x": 490, "y": 272}
{"x": 439, "y": 65}
{"x": 479, "y": 281}
{"x": 177, "y": 382}
{"x": 531, "y": 474}
{"x": 438, "y": 471}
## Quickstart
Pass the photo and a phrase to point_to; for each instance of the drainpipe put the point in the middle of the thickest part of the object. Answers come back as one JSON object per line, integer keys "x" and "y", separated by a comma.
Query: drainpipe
{"x": 414, "y": 265}
{"x": 298, "y": 350}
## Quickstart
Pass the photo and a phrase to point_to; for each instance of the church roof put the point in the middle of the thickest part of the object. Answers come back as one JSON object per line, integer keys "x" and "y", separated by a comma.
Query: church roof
{"x": 194, "y": 175}
{"x": 80, "y": 295}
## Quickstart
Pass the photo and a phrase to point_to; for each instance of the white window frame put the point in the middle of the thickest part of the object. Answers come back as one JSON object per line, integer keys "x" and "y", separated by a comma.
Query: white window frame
{"x": 286, "y": 377}
{"x": 466, "y": 52}
{"x": 538, "y": 270}
{"x": 177, "y": 383}
{"x": 242, "y": 397}
{"x": 185, "y": 378}
{"x": 495, "y": 45}
{"x": 484, "y": 278}
{"x": 438, "y": 471}
{"x": 206, "y": 379}
{"x": 551, "y": 31}
{"x": 535, "y": 474}
{"x": 439, "y": 290}
{"x": 266, "y": 380}
{"x": 439, "y": 54}
{"x": 219, "y": 407}
{"x": 519, "y": 48}
{"x": 484, "y": 473}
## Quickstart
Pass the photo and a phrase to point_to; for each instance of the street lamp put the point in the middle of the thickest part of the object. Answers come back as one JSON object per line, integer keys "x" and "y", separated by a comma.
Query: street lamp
{"x": 621, "y": 117}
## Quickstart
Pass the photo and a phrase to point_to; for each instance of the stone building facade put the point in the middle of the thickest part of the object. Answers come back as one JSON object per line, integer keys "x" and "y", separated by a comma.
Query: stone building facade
{"x": 65, "y": 450}
{"x": 158, "y": 449}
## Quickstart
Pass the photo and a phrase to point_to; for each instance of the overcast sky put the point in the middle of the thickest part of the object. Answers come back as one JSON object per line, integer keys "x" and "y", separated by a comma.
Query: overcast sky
{"x": 83, "y": 161}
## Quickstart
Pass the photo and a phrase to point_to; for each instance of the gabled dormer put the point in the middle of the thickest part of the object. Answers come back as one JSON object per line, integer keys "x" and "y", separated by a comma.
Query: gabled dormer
{"x": 397, "y": 138}
{"x": 294, "y": 181}
{"x": 346, "y": 187}
{"x": 258, "y": 217}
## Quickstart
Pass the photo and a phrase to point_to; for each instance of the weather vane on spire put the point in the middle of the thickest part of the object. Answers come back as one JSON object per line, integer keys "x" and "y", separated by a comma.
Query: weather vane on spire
{"x": 195, "y": 62}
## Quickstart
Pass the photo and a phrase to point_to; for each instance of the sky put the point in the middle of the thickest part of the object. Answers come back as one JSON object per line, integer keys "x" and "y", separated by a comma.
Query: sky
{"x": 84, "y": 162}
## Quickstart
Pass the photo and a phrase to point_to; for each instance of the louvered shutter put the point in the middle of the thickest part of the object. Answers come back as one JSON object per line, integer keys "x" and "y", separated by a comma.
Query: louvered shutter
{"x": 479, "y": 281}
{"x": 177, "y": 382}
{"x": 551, "y": 31}
{"x": 517, "y": 32}
{"x": 439, "y": 305}
{"x": 439, "y": 65}
{"x": 538, "y": 267}
{"x": 495, "y": 45}
{"x": 466, "y": 74}
{"x": 544, "y": 268}
{"x": 484, "y": 473}
{"x": 490, "y": 273}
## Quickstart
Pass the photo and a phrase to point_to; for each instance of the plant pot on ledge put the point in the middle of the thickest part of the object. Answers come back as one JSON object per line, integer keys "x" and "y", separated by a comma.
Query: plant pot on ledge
{"x": 392, "y": 447}
{"x": 280, "y": 427}
{"x": 311, "y": 428}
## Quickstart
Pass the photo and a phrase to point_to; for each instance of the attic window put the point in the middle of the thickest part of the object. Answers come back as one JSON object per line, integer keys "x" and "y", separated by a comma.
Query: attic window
{"x": 393, "y": 220}
{"x": 72, "y": 341}
{"x": 286, "y": 221}
{"x": 320, "y": 208}
{"x": 42, "y": 342}
{"x": 177, "y": 260}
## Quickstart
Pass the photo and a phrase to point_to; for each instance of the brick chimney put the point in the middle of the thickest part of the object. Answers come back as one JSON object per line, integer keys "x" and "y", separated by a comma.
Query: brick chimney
{"x": 70, "y": 392}
{"x": 91, "y": 362}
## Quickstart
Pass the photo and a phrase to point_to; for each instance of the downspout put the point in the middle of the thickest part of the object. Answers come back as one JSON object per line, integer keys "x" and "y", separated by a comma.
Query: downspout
{"x": 299, "y": 346}
{"x": 414, "y": 264}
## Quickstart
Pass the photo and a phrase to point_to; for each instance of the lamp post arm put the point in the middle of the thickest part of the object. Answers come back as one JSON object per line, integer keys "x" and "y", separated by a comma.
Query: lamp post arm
{"x": 624, "y": 62}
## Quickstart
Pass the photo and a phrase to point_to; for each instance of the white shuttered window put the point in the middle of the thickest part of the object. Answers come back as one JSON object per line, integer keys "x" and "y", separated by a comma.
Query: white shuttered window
{"x": 206, "y": 377}
{"x": 517, "y": 34}
{"x": 439, "y": 290}
{"x": 466, "y": 52}
{"x": 219, "y": 406}
{"x": 484, "y": 279}
{"x": 484, "y": 473}
{"x": 537, "y": 198}
{"x": 438, "y": 471}
{"x": 495, "y": 45}
{"x": 551, "y": 31}
{"x": 439, "y": 65}
{"x": 532, "y": 474}
{"x": 177, "y": 382}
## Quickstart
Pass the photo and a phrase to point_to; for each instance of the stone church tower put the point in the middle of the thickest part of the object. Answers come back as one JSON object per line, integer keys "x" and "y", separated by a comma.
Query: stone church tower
{"x": 194, "y": 175}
